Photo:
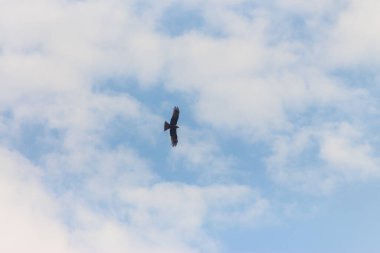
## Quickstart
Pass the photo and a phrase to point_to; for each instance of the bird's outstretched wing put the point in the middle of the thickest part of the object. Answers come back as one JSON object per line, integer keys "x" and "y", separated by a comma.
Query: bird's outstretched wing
{"x": 173, "y": 136}
{"x": 175, "y": 116}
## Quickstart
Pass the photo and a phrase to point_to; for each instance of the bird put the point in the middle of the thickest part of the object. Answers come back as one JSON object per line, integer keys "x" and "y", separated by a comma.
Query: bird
{"x": 173, "y": 126}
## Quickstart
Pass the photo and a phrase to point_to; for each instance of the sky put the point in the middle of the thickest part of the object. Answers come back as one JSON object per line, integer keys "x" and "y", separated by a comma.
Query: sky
{"x": 278, "y": 141}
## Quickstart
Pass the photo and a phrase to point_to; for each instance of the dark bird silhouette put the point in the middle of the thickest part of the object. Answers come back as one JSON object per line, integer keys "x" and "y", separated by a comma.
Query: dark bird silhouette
{"x": 173, "y": 126}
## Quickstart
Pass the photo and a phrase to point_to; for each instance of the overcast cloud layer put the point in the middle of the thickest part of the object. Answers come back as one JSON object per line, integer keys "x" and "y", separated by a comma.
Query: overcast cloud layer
{"x": 279, "y": 111}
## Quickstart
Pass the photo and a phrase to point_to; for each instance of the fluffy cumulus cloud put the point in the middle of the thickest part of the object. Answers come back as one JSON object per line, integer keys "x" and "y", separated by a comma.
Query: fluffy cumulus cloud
{"x": 82, "y": 169}
{"x": 28, "y": 212}
{"x": 353, "y": 40}
{"x": 118, "y": 211}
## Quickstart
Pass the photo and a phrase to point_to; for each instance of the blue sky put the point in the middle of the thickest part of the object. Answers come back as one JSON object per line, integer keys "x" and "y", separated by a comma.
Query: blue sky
{"x": 278, "y": 138}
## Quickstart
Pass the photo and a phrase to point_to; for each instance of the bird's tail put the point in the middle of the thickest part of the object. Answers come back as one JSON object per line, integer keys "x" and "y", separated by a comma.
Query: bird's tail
{"x": 166, "y": 126}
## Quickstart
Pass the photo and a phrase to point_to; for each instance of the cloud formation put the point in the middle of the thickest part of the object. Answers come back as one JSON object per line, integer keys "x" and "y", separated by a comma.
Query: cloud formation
{"x": 81, "y": 167}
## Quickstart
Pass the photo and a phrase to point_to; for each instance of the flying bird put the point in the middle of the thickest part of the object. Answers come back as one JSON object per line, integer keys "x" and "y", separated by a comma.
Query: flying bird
{"x": 173, "y": 126}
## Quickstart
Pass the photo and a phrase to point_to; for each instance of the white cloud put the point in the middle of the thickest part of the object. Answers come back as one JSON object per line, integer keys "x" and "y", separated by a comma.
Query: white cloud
{"x": 248, "y": 82}
{"x": 354, "y": 39}
{"x": 347, "y": 150}
{"x": 186, "y": 209}
{"x": 317, "y": 160}
{"x": 309, "y": 7}
{"x": 117, "y": 206}
{"x": 200, "y": 154}
{"x": 240, "y": 72}
{"x": 28, "y": 214}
